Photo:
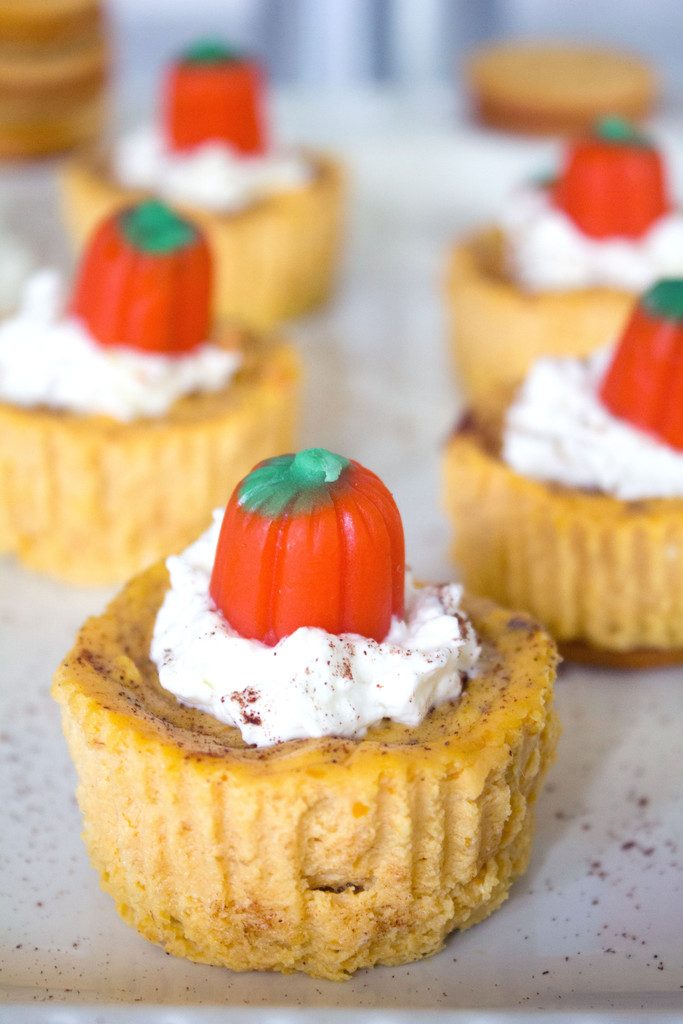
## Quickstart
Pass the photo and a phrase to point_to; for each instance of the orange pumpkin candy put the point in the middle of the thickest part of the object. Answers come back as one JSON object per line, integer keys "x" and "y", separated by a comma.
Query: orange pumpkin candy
{"x": 212, "y": 93}
{"x": 311, "y": 539}
{"x": 613, "y": 184}
{"x": 144, "y": 282}
{"x": 644, "y": 382}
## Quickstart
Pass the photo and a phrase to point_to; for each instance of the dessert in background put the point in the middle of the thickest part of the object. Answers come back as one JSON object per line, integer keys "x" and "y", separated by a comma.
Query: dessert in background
{"x": 124, "y": 414}
{"x": 54, "y": 61}
{"x": 570, "y": 504}
{"x": 272, "y": 216}
{"x": 555, "y": 87}
{"x": 557, "y": 275}
{"x": 290, "y": 756}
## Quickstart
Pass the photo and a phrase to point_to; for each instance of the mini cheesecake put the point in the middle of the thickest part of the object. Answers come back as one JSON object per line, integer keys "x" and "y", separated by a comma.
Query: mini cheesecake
{"x": 612, "y": 188}
{"x": 603, "y": 573}
{"x": 91, "y": 498}
{"x": 320, "y": 855}
{"x": 275, "y": 257}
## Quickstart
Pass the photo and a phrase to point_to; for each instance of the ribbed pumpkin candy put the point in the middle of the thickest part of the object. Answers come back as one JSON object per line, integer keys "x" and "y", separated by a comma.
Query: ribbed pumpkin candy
{"x": 644, "y": 383}
{"x": 212, "y": 93}
{"x": 144, "y": 282}
{"x": 311, "y": 539}
{"x": 613, "y": 183}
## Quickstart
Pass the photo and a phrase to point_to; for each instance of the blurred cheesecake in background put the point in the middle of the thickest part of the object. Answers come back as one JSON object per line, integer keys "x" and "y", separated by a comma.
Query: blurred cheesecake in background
{"x": 567, "y": 502}
{"x": 53, "y": 73}
{"x": 558, "y": 271}
{"x": 125, "y": 412}
{"x": 273, "y": 215}
{"x": 553, "y": 87}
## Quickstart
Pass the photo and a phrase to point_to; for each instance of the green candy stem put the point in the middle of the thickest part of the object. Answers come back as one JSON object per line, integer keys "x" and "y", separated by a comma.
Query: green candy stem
{"x": 665, "y": 299}
{"x": 210, "y": 51}
{"x": 315, "y": 466}
{"x": 153, "y": 227}
{"x": 291, "y": 484}
{"x": 619, "y": 130}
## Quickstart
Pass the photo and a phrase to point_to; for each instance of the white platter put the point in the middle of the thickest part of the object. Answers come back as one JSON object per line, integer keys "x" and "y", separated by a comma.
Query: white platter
{"x": 595, "y": 929}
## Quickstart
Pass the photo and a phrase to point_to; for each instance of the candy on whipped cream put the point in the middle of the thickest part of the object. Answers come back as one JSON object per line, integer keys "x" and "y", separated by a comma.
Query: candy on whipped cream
{"x": 210, "y": 148}
{"x": 311, "y": 683}
{"x": 48, "y": 358}
{"x": 546, "y": 251}
{"x": 292, "y": 618}
{"x": 558, "y": 430}
{"x": 607, "y": 220}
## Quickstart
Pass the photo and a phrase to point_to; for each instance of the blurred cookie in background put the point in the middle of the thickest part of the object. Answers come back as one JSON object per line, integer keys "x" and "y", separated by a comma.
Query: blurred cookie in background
{"x": 554, "y": 87}
{"x": 54, "y": 63}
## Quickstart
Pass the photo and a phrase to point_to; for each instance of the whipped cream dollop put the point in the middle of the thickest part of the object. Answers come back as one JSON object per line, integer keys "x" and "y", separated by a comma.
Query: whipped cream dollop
{"x": 47, "y": 358}
{"x": 558, "y": 430}
{"x": 212, "y": 176}
{"x": 546, "y": 250}
{"x": 311, "y": 683}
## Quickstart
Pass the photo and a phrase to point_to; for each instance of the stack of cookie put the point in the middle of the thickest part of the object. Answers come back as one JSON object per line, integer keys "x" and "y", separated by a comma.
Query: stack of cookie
{"x": 53, "y": 67}
{"x": 549, "y": 87}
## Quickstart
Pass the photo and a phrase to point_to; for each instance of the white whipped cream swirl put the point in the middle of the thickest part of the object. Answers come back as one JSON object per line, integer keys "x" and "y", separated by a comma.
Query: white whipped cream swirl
{"x": 311, "y": 683}
{"x": 546, "y": 251}
{"x": 558, "y": 430}
{"x": 212, "y": 176}
{"x": 50, "y": 359}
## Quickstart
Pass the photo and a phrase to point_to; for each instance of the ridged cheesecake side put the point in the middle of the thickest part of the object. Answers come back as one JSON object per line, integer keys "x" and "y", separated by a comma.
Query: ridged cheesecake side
{"x": 92, "y": 500}
{"x": 322, "y": 856}
{"x": 274, "y": 260}
{"x": 605, "y": 576}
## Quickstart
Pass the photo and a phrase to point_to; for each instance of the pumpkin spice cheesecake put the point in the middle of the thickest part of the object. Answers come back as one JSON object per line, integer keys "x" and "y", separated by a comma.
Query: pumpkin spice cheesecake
{"x": 123, "y": 414}
{"x": 293, "y": 758}
{"x": 559, "y": 272}
{"x": 272, "y": 217}
{"x": 573, "y": 508}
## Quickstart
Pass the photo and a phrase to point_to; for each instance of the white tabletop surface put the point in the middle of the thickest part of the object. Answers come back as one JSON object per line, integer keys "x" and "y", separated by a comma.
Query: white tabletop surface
{"x": 594, "y": 929}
